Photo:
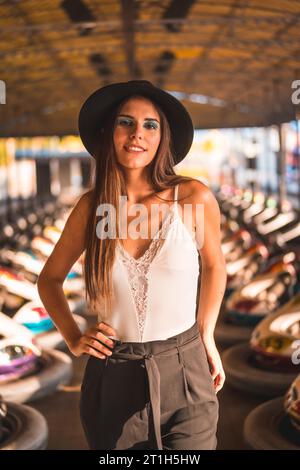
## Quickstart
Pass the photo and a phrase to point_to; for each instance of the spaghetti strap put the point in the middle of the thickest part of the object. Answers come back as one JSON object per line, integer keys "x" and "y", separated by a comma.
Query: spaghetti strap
{"x": 176, "y": 193}
{"x": 175, "y": 203}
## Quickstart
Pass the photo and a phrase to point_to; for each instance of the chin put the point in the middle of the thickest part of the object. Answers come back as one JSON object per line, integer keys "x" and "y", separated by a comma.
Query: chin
{"x": 133, "y": 165}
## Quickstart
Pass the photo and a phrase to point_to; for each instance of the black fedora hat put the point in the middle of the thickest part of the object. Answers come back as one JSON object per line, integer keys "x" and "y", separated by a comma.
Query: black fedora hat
{"x": 95, "y": 108}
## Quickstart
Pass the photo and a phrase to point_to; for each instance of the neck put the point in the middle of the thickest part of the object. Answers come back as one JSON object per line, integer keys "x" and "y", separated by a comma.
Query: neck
{"x": 138, "y": 185}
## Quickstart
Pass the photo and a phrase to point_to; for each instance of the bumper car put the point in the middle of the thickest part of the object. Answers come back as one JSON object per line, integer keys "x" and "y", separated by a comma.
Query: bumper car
{"x": 276, "y": 340}
{"x": 33, "y": 316}
{"x": 52, "y": 233}
{"x": 233, "y": 245}
{"x": 17, "y": 284}
{"x": 239, "y": 273}
{"x": 289, "y": 236}
{"x": 239, "y": 207}
{"x": 30, "y": 263}
{"x": 18, "y": 358}
{"x": 28, "y": 372}
{"x": 268, "y": 213}
{"x": 275, "y": 425}
{"x": 21, "y": 427}
{"x": 256, "y": 208}
{"x": 20, "y": 290}
{"x": 272, "y": 360}
{"x": 292, "y": 405}
{"x": 265, "y": 293}
{"x": 26, "y": 261}
{"x": 279, "y": 221}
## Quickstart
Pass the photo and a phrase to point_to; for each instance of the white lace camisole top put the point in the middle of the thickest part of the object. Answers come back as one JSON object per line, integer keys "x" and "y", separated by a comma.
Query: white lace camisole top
{"x": 155, "y": 295}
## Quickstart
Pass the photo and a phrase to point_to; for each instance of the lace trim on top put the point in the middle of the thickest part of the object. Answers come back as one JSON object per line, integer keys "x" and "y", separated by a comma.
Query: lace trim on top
{"x": 138, "y": 270}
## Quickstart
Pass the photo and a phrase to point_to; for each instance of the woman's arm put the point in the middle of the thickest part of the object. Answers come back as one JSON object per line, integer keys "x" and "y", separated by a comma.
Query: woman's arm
{"x": 213, "y": 274}
{"x": 50, "y": 284}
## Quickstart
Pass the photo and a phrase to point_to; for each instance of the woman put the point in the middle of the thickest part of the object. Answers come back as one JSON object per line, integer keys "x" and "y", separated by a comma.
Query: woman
{"x": 153, "y": 370}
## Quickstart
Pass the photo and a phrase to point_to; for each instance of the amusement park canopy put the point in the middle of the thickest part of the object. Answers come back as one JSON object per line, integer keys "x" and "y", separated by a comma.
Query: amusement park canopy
{"x": 232, "y": 63}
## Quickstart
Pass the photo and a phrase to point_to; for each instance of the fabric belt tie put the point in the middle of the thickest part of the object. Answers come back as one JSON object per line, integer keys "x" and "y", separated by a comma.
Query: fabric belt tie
{"x": 154, "y": 378}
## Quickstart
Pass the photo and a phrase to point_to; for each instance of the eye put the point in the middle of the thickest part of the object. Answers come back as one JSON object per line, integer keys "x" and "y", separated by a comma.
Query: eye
{"x": 124, "y": 121}
{"x": 151, "y": 125}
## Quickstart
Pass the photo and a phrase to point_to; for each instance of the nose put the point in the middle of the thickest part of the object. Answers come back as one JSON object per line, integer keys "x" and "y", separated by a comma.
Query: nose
{"x": 136, "y": 131}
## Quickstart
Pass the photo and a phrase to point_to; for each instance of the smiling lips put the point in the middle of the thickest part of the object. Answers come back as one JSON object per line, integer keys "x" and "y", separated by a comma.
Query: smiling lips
{"x": 134, "y": 149}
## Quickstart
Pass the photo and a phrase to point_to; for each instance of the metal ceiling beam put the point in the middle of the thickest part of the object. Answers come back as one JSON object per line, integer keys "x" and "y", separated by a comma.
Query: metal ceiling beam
{"x": 177, "y": 9}
{"x": 128, "y": 10}
{"x": 213, "y": 99}
{"x": 212, "y": 73}
{"x": 281, "y": 61}
{"x": 229, "y": 45}
{"x": 243, "y": 86}
{"x": 61, "y": 65}
{"x": 246, "y": 62}
{"x": 255, "y": 6}
{"x": 112, "y": 25}
{"x": 212, "y": 43}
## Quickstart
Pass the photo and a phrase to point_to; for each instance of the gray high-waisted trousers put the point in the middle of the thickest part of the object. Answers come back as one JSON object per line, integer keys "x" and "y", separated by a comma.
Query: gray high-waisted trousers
{"x": 151, "y": 395}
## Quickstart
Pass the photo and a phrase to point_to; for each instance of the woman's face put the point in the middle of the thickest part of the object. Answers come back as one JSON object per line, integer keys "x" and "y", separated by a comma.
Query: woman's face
{"x": 136, "y": 125}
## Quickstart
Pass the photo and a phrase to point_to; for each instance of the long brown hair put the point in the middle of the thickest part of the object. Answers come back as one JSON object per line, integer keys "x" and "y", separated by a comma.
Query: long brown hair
{"x": 107, "y": 185}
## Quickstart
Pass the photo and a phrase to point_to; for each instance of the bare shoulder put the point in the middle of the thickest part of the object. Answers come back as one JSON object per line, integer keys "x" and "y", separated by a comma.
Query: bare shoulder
{"x": 81, "y": 208}
{"x": 77, "y": 219}
{"x": 84, "y": 201}
{"x": 197, "y": 192}
{"x": 202, "y": 200}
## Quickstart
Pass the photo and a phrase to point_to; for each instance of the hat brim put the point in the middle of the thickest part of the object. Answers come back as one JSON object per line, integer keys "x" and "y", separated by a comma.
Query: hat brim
{"x": 99, "y": 103}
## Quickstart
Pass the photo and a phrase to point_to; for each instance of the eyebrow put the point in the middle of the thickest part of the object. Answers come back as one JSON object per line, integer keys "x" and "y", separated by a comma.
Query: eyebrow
{"x": 146, "y": 119}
